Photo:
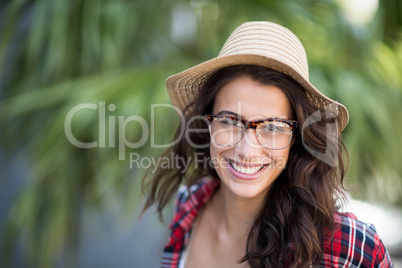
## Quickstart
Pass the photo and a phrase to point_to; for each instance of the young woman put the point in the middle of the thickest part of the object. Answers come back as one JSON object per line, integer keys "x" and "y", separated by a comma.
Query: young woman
{"x": 267, "y": 160}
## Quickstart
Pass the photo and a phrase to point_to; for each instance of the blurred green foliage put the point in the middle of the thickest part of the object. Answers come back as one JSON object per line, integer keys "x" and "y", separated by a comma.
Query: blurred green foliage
{"x": 56, "y": 54}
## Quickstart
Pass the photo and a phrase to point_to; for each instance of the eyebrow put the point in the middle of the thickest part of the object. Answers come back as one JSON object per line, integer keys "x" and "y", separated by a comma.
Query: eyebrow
{"x": 230, "y": 113}
{"x": 224, "y": 112}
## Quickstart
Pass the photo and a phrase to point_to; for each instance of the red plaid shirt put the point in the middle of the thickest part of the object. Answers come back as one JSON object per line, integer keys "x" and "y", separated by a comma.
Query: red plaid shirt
{"x": 355, "y": 244}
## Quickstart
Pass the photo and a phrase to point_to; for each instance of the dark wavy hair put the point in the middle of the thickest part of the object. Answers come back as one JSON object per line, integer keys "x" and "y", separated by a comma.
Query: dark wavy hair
{"x": 298, "y": 213}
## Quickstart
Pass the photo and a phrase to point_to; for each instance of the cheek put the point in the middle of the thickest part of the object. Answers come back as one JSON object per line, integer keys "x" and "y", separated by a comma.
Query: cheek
{"x": 280, "y": 158}
{"x": 214, "y": 152}
{"x": 281, "y": 161}
{"x": 216, "y": 155}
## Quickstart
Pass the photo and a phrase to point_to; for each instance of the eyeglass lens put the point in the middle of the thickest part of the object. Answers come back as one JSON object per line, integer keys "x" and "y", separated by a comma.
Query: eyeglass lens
{"x": 272, "y": 135}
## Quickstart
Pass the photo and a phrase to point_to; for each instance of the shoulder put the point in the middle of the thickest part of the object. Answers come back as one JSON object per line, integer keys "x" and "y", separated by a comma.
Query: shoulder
{"x": 188, "y": 202}
{"x": 194, "y": 197}
{"x": 355, "y": 243}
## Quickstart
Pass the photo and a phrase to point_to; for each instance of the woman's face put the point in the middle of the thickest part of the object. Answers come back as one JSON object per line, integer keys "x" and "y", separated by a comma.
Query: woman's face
{"x": 247, "y": 169}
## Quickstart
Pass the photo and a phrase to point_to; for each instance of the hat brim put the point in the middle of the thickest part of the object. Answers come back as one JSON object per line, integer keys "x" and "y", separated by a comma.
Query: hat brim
{"x": 184, "y": 86}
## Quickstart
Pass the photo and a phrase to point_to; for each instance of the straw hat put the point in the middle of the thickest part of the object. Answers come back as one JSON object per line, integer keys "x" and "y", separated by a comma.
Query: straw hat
{"x": 256, "y": 43}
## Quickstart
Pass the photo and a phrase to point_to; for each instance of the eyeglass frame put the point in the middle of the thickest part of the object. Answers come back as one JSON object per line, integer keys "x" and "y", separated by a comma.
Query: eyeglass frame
{"x": 293, "y": 124}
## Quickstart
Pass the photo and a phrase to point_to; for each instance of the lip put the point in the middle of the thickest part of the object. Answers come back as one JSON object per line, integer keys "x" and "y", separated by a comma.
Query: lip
{"x": 245, "y": 164}
{"x": 243, "y": 176}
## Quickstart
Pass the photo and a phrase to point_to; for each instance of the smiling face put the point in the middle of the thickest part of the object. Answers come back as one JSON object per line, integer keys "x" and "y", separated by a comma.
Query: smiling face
{"x": 247, "y": 169}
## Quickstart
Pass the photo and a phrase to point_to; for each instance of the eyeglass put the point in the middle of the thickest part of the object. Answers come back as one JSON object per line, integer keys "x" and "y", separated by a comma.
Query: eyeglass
{"x": 272, "y": 133}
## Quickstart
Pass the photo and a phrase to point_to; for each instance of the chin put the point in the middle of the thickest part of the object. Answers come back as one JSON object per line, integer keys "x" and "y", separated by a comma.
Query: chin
{"x": 248, "y": 192}
{"x": 247, "y": 188}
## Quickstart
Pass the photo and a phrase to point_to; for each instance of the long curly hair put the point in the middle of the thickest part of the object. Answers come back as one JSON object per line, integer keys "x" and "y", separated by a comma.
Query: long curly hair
{"x": 298, "y": 213}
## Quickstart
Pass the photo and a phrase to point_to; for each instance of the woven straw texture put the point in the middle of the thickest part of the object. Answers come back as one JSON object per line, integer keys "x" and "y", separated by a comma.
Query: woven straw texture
{"x": 258, "y": 43}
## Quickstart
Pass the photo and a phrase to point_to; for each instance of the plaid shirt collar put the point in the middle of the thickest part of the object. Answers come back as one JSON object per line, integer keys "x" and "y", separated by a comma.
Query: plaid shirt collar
{"x": 354, "y": 244}
{"x": 188, "y": 204}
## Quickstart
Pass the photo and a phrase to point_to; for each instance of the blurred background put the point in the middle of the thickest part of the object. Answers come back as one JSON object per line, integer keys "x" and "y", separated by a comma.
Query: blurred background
{"x": 65, "y": 206}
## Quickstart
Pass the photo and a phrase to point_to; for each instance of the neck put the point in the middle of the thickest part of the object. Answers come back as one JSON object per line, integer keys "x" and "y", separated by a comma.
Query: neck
{"x": 234, "y": 214}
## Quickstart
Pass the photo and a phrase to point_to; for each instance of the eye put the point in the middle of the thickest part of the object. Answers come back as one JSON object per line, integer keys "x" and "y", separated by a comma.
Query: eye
{"x": 282, "y": 126}
{"x": 228, "y": 122}
{"x": 276, "y": 126}
{"x": 268, "y": 127}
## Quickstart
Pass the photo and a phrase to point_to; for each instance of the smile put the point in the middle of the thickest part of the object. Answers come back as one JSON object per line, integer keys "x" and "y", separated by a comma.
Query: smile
{"x": 248, "y": 170}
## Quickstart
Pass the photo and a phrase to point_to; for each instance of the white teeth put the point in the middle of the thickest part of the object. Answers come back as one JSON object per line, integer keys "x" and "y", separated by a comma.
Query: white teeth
{"x": 246, "y": 170}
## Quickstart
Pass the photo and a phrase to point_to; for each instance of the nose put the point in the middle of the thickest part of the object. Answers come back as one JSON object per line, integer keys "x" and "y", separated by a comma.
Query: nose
{"x": 249, "y": 144}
